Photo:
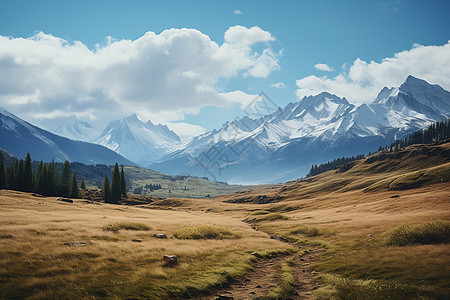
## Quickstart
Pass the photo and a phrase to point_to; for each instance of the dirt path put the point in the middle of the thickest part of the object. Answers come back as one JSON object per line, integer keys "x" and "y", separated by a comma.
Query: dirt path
{"x": 266, "y": 276}
{"x": 258, "y": 282}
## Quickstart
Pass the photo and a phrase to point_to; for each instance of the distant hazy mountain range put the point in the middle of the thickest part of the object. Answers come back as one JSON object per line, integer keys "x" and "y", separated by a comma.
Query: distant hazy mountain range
{"x": 273, "y": 148}
{"x": 19, "y": 137}
{"x": 283, "y": 145}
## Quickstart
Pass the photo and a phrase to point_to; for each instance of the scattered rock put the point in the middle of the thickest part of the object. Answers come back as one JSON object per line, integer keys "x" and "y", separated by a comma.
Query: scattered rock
{"x": 302, "y": 259}
{"x": 37, "y": 195}
{"x": 224, "y": 297}
{"x": 258, "y": 286}
{"x": 252, "y": 293}
{"x": 77, "y": 243}
{"x": 160, "y": 236}
{"x": 369, "y": 235}
{"x": 395, "y": 196}
{"x": 303, "y": 271}
{"x": 256, "y": 254}
{"x": 246, "y": 279}
{"x": 137, "y": 241}
{"x": 65, "y": 200}
{"x": 170, "y": 260}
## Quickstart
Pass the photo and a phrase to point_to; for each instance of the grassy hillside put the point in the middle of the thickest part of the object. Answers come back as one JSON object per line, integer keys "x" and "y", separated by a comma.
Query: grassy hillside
{"x": 377, "y": 228}
{"x": 176, "y": 186}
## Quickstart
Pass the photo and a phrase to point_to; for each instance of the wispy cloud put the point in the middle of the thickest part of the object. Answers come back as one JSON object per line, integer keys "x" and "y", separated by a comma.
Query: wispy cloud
{"x": 278, "y": 85}
{"x": 362, "y": 81}
{"x": 323, "y": 67}
{"x": 238, "y": 12}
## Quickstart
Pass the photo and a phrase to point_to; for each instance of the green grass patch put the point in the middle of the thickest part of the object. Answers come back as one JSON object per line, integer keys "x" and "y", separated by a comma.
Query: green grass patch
{"x": 430, "y": 232}
{"x": 271, "y": 217}
{"x": 115, "y": 227}
{"x": 347, "y": 288}
{"x": 286, "y": 287}
{"x": 260, "y": 212}
{"x": 206, "y": 232}
{"x": 311, "y": 231}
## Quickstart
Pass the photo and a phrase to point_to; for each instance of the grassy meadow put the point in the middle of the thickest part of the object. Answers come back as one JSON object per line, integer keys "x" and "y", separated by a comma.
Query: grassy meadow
{"x": 122, "y": 258}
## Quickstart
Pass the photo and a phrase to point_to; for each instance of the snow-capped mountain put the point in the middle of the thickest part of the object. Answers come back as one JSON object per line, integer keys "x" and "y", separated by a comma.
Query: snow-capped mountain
{"x": 140, "y": 142}
{"x": 19, "y": 137}
{"x": 283, "y": 145}
{"x": 77, "y": 130}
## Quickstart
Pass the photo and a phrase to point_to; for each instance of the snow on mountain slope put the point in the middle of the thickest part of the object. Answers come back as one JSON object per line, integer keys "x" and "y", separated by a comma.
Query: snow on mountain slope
{"x": 19, "y": 137}
{"x": 138, "y": 141}
{"x": 77, "y": 130}
{"x": 283, "y": 145}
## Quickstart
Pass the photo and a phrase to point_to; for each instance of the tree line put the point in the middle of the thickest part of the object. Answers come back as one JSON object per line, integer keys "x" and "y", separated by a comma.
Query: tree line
{"x": 46, "y": 181}
{"x": 317, "y": 169}
{"x": 112, "y": 193}
{"x": 436, "y": 132}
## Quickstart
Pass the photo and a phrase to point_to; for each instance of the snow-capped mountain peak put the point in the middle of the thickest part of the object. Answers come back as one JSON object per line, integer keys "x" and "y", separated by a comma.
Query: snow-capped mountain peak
{"x": 76, "y": 130}
{"x": 283, "y": 145}
{"x": 138, "y": 141}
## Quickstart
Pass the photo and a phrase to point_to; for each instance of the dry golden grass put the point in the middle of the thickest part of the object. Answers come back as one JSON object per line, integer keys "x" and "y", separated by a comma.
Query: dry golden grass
{"x": 206, "y": 232}
{"x": 352, "y": 214}
{"x": 36, "y": 263}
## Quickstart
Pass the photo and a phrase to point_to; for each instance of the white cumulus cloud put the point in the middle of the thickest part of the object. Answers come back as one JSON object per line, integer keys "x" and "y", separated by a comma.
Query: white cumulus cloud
{"x": 167, "y": 74}
{"x": 323, "y": 67}
{"x": 238, "y": 12}
{"x": 361, "y": 82}
{"x": 247, "y": 36}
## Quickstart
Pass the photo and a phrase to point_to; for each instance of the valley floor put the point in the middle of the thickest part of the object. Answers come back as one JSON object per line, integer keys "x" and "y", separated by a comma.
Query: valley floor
{"x": 348, "y": 231}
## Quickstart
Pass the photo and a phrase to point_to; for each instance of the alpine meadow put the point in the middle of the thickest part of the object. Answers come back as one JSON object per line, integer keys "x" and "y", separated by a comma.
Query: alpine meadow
{"x": 224, "y": 150}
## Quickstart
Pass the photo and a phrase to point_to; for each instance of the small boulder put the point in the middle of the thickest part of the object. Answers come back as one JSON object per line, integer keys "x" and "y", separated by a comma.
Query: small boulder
{"x": 77, "y": 243}
{"x": 170, "y": 260}
{"x": 160, "y": 236}
{"x": 65, "y": 200}
{"x": 137, "y": 241}
{"x": 224, "y": 297}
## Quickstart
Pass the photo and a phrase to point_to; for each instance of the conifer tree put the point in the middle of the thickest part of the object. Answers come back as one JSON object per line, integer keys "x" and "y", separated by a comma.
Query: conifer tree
{"x": 74, "y": 187}
{"x": 28, "y": 175}
{"x": 123, "y": 184}
{"x": 83, "y": 185}
{"x": 2, "y": 172}
{"x": 65, "y": 179}
{"x": 115, "y": 185}
{"x": 106, "y": 190}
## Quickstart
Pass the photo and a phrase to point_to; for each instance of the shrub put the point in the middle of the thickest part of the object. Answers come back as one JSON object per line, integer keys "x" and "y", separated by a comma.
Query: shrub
{"x": 125, "y": 225}
{"x": 430, "y": 232}
{"x": 260, "y": 212}
{"x": 206, "y": 232}
{"x": 311, "y": 231}
{"x": 271, "y": 217}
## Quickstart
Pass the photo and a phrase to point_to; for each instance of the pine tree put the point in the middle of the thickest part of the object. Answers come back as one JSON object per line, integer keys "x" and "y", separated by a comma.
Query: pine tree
{"x": 74, "y": 187}
{"x": 65, "y": 179}
{"x": 123, "y": 184}
{"x": 2, "y": 172}
{"x": 106, "y": 190}
{"x": 115, "y": 185}
{"x": 28, "y": 175}
{"x": 83, "y": 186}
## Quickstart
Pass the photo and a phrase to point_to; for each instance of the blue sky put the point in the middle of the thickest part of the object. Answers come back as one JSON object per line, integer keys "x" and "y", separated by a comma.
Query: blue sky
{"x": 302, "y": 34}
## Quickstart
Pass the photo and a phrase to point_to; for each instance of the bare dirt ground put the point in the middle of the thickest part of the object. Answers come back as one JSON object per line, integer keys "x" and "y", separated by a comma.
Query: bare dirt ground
{"x": 266, "y": 275}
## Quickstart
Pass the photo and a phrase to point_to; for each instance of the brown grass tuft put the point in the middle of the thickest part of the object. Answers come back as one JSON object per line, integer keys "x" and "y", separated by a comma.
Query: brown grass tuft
{"x": 206, "y": 232}
{"x": 430, "y": 232}
{"x": 115, "y": 227}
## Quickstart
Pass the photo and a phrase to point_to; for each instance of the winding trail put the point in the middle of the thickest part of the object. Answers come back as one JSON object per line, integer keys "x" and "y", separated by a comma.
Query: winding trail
{"x": 266, "y": 275}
